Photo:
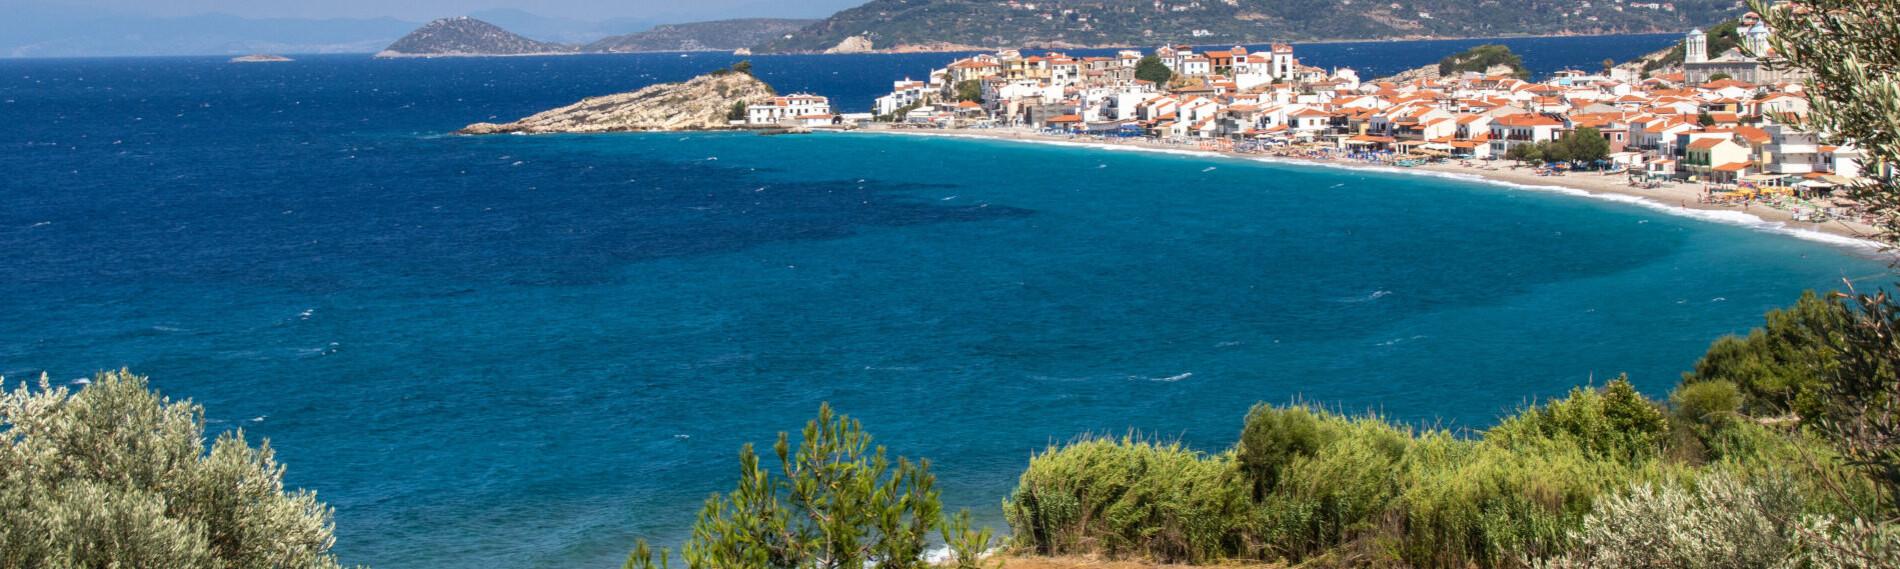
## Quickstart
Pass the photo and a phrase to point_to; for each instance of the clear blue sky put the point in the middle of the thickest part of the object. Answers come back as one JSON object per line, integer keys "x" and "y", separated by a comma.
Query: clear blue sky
{"x": 428, "y": 9}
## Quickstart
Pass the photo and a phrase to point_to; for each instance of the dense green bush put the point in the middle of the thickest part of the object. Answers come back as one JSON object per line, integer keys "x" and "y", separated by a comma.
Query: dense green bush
{"x": 1616, "y": 423}
{"x": 1708, "y": 405}
{"x": 1779, "y": 367}
{"x": 115, "y": 475}
{"x": 1132, "y": 497}
{"x": 1308, "y": 486}
{"x": 1491, "y": 504}
{"x": 1304, "y": 483}
{"x": 1272, "y": 437}
{"x": 1338, "y": 491}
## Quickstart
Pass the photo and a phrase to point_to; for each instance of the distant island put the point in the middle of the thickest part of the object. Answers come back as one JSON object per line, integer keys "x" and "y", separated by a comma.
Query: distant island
{"x": 465, "y": 36}
{"x": 260, "y": 58}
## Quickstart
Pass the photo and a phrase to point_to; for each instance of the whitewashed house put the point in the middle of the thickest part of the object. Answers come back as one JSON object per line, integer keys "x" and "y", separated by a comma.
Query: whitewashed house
{"x": 796, "y": 109}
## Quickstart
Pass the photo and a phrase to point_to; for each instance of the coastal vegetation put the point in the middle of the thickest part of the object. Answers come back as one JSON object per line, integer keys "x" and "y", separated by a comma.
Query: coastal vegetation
{"x": 1553, "y": 484}
{"x": 116, "y": 475}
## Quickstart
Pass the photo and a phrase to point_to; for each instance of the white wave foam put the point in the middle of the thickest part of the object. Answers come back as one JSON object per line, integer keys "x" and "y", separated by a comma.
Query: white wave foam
{"x": 1735, "y": 218}
{"x": 1168, "y": 379}
{"x": 1397, "y": 341}
{"x": 1375, "y": 295}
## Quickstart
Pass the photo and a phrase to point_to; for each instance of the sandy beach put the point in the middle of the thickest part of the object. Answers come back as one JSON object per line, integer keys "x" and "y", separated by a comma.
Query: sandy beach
{"x": 1675, "y": 197}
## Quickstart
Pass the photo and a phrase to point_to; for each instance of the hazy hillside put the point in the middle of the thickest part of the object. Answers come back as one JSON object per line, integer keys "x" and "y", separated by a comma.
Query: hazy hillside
{"x": 560, "y": 30}
{"x": 894, "y": 23}
{"x": 722, "y": 35}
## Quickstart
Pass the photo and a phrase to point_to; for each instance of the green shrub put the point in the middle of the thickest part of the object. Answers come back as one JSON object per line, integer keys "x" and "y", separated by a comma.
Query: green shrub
{"x": 1709, "y": 405}
{"x": 1487, "y": 504}
{"x": 1132, "y": 498}
{"x": 1273, "y": 436}
{"x": 1615, "y": 422}
{"x": 117, "y": 476}
{"x": 1779, "y": 367}
{"x": 969, "y": 548}
{"x": 1326, "y": 498}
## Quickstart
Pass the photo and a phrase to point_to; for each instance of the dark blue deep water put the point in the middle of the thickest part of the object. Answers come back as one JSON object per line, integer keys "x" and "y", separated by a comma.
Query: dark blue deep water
{"x": 527, "y": 351}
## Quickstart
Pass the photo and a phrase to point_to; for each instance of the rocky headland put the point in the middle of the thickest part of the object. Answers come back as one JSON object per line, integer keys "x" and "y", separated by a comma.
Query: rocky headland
{"x": 703, "y": 103}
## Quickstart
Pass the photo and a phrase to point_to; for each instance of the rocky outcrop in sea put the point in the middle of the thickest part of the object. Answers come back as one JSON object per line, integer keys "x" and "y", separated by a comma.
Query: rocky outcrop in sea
{"x": 702, "y": 103}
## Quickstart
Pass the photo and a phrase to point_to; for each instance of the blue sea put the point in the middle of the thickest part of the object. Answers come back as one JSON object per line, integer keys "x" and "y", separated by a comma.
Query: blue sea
{"x": 528, "y": 351}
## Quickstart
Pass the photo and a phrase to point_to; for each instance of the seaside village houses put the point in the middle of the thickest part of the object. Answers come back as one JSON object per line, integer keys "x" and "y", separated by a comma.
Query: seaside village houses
{"x": 1730, "y": 119}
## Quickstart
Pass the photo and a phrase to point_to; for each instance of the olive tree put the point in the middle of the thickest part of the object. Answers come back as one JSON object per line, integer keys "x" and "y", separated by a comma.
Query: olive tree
{"x": 1848, "y": 50}
{"x": 115, "y": 475}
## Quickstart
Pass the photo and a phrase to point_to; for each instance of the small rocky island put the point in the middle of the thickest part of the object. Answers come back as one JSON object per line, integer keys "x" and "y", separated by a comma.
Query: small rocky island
{"x": 706, "y": 102}
{"x": 260, "y": 58}
{"x": 464, "y": 37}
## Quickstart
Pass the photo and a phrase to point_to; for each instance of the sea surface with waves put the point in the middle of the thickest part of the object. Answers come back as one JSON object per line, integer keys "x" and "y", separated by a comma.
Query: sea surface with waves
{"x": 528, "y": 351}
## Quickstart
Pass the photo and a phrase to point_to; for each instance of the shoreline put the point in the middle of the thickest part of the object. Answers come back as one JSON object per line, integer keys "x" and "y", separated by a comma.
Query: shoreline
{"x": 917, "y": 48}
{"x": 1851, "y": 236}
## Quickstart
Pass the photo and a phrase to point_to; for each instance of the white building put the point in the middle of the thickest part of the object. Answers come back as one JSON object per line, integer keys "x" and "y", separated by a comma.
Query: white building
{"x": 799, "y": 109}
{"x": 903, "y": 94}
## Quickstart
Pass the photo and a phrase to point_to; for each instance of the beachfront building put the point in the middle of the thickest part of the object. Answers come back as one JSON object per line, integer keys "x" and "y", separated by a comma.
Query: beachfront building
{"x": 1714, "y": 159}
{"x": 1673, "y": 124}
{"x": 790, "y": 110}
{"x": 904, "y": 93}
{"x": 1512, "y": 130}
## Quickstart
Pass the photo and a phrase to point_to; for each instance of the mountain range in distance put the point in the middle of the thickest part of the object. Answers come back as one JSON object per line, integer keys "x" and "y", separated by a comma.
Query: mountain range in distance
{"x": 466, "y": 36}
{"x": 877, "y": 25}
{"x": 953, "y": 25}
{"x": 915, "y": 25}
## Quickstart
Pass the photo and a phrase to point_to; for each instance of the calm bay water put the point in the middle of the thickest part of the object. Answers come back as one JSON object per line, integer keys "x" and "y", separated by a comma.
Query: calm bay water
{"x": 526, "y": 351}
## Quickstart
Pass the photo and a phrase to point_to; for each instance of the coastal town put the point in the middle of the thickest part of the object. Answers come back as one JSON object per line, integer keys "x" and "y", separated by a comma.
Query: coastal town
{"x": 1718, "y": 130}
